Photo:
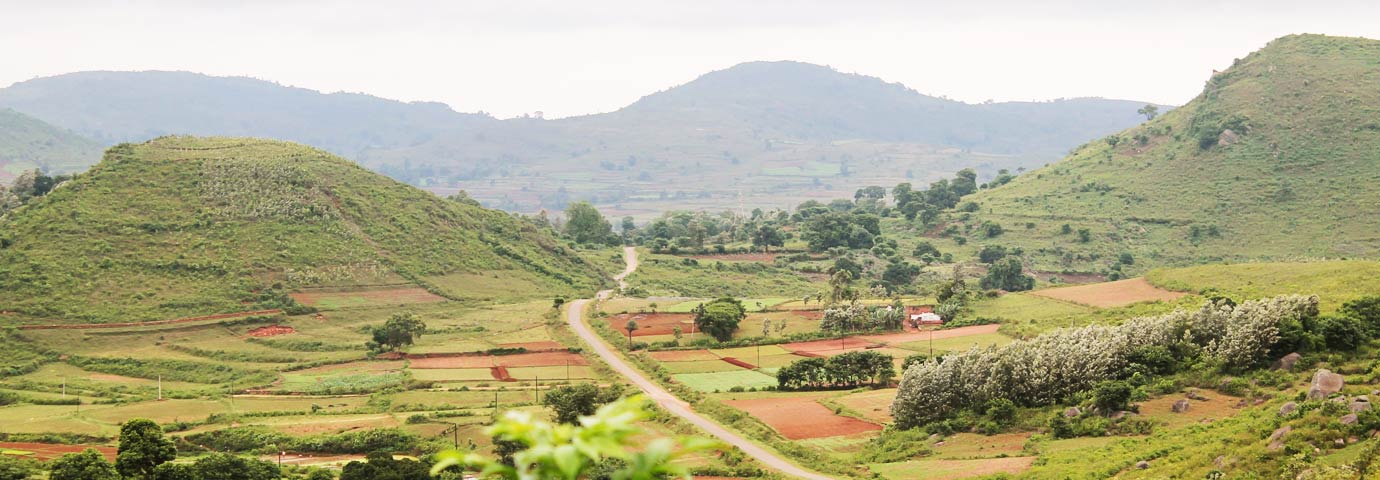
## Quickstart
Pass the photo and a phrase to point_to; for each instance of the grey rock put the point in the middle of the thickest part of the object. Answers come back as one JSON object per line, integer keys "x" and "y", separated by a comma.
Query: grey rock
{"x": 1325, "y": 383}
{"x": 1180, "y": 406}
{"x": 1288, "y": 408}
{"x": 1286, "y": 362}
{"x": 1349, "y": 419}
{"x": 1194, "y": 394}
{"x": 1277, "y": 438}
{"x": 1358, "y": 406}
{"x": 1072, "y": 412}
{"x": 1142, "y": 465}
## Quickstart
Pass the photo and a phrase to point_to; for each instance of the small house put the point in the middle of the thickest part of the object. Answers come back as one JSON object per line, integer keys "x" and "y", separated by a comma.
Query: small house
{"x": 923, "y": 315}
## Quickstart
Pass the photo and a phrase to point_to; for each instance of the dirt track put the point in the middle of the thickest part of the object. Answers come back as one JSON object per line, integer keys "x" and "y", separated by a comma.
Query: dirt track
{"x": 664, "y": 398}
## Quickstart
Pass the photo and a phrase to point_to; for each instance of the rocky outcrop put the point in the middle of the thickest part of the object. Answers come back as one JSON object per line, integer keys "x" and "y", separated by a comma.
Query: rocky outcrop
{"x": 1325, "y": 383}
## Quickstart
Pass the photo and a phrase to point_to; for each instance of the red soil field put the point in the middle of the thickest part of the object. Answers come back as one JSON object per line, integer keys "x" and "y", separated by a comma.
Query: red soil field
{"x": 653, "y": 323}
{"x": 740, "y": 363}
{"x": 800, "y": 418}
{"x": 271, "y": 331}
{"x": 916, "y": 336}
{"x": 501, "y": 373}
{"x": 1110, "y": 294}
{"x": 49, "y": 451}
{"x": 683, "y": 355}
{"x": 391, "y": 295}
{"x": 544, "y": 359}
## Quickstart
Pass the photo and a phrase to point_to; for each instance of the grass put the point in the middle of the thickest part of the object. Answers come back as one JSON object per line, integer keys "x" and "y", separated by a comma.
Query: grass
{"x": 702, "y": 366}
{"x": 958, "y": 343}
{"x": 1299, "y": 182}
{"x": 156, "y": 232}
{"x": 723, "y": 381}
{"x": 667, "y": 275}
{"x": 750, "y": 304}
{"x": 1334, "y": 282}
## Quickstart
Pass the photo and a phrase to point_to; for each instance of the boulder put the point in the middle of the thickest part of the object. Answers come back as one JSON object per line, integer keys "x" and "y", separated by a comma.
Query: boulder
{"x": 1180, "y": 406}
{"x": 1358, "y": 406}
{"x": 1072, "y": 412}
{"x": 1194, "y": 394}
{"x": 1361, "y": 398}
{"x": 1338, "y": 400}
{"x": 1227, "y": 137}
{"x": 1277, "y": 438}
{"x": 1349, "y": 419}
{"x": 1142, "y": 465}
{"x": 1325, "y": 383}
{"x": 1122, "y": 414}
{"x": 1288, "y": 408}
{"x": 1286, "y": 362}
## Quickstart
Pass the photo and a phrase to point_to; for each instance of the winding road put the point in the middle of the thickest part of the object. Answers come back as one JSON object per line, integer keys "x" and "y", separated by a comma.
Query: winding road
{"x": 664, "y": 398}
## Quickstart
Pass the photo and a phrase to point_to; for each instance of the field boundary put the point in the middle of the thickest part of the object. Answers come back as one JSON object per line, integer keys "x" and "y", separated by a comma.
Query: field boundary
{"x": 90, "y": 326}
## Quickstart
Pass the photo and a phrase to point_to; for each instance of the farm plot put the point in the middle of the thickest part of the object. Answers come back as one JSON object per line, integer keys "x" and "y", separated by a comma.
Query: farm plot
{"x": 800, "y": 418}
{"x": 454, "y": 375}
{"x": 49, "y": 451}
{"x": 700, "y": 366}
{"x": 723, "y": 381}
{"x": 366, "y": 298}
{"x": 957, "y": 344}
{"x": 1111, "y": 294}
{"x": 683, "y": 355}
{"x": 352, "y": 377}
{"x": 653, "y": 323}
{"x": 551, "y": 373}
{"x": 940, "y": 469}
{"x": 873, "y": 405}
{"x": 544, "y": 359}
{"x": 825, "y": 348}
{"x": 750, "y": 304}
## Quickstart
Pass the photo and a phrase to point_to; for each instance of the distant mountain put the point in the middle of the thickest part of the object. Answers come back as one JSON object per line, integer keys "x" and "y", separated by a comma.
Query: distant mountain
{"x": 26, "y": 143}
{"x": 185, "y": 226}
{"x": 1278, "y": 158}
{"x": 117, "y": 107}
{"x": 767, "y": 134}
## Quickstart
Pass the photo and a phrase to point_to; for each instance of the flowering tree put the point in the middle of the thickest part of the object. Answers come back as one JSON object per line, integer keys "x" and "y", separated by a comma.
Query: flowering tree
{"x": 1058, "y": 364}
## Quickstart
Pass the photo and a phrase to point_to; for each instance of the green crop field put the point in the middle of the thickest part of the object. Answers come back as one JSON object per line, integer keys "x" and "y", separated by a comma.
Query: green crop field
{"x": 723, "y": 381}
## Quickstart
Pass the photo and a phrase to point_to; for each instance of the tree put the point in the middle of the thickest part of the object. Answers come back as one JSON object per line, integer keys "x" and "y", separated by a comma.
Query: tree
{"x": 380, "y": 465}
{"x": 585, "y": 224}
{"x": 224, "y": 466}
{"x": 720, "y": 317}
{"x": 631, "y": 327}
{"x": 143, "y": 447}
{"x": 1149, "y": 110}
{"x": 573, "y": 451}
{"x": 14, "y": 468}
{"x": 767, "y": 236}
{"x": 991, "y": 253}
{"x": 87, "y": 465}
{"x": 1084, "y": 235}
{"x": 839, "y": 289}
{"x": 926, "y": 250}
{"x": 1112, "y": 396}
{"x": 900, "y": 274}
{"x": 399, "y": 331}
{"x": 570, "y": 402}
{"x": 1006, "y": 274}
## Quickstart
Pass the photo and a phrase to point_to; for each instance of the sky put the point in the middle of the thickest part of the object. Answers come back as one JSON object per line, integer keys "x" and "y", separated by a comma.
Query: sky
{"x": 565, "y": 57}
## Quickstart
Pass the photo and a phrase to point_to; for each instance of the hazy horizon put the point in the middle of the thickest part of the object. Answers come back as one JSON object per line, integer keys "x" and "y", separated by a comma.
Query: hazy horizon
{"x": 565, "y": 60}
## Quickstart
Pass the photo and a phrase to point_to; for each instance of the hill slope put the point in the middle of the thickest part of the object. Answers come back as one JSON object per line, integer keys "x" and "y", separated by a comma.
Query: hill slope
{"x": 183, "y": 226}
{"x": 768, "y": 134}
{"x": 1279, "y": 157}
{"x": 135, "y": 106}
{"x": 27, "y": 143}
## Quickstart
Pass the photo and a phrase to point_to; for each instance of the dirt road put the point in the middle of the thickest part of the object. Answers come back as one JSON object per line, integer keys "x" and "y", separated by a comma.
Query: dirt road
{"x": 665, "y": 398}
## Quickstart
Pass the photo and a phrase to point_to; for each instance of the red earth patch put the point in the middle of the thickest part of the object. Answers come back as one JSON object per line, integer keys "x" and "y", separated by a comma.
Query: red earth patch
{"x": 653, "y": 323}
{"x": 543, "y": 359}
{"x": 801, "y": 418}
{"x": 49, "y": 451}
{"x": 271, "y": 331}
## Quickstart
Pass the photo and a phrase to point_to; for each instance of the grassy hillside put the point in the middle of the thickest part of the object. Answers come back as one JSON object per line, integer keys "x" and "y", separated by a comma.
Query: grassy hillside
{"x": 1277, "y": 159}
{"x": 27, "y": 143}
{"x": 183, "y": 226}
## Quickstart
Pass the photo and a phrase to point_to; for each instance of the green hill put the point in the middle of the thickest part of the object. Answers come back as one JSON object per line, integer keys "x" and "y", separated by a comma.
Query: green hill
{"x": 27, "y": 143}
{"x": 1278, "y": 158}
{"x": 183, "y": 226}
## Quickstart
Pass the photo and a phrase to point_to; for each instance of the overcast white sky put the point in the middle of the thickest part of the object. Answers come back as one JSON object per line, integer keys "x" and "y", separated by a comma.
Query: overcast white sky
{"x": 571, "y": 57}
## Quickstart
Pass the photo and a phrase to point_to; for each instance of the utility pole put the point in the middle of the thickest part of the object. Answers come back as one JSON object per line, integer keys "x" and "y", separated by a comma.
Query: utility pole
{"x": 536, "y": 392}
{"x": 931, "y": 343}
{"x": 160, "y": 397}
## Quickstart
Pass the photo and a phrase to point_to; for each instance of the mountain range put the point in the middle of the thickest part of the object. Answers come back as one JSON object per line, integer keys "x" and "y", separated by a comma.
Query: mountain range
{"x": 760, "y": 134}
